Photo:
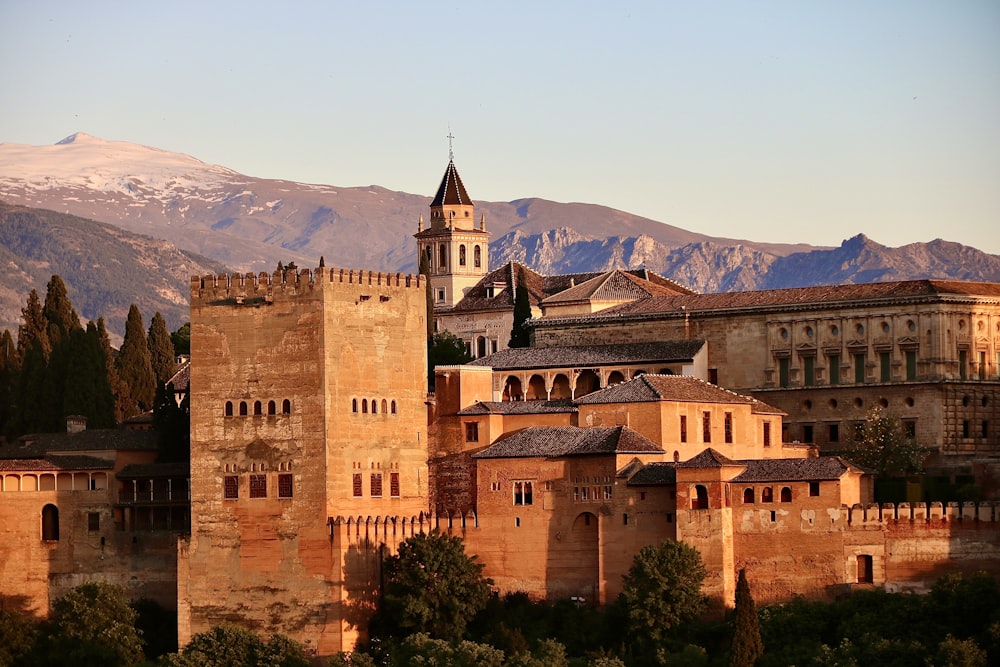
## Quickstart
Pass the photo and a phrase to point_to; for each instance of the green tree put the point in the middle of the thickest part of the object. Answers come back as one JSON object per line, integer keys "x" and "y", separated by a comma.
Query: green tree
{"x": 445, "y": 349}
{"x": 432, "y": 586}
{"x": 118, "y": 390}
{"x": 161, "y": 350}
{"x": 228, "y": 645}
{"x": 522, "y": 313}
{"x": 135, "y": 368}
{"x": 60, "y": 316}
{"x": 182, "y": 339}
{"x": 422, "y": 649}
{"x": 18, "y": 634}
{"x": 662, "y": 590}
{"x": 953, "y": 652}
{"x": 747, "y": 646}
{"x": 34, "y": 330}
{"x": 881, "y": 443}
{"x": 93, "y": 624}
{"x": 87, "y": 391}
{"x": 9, "y": 370}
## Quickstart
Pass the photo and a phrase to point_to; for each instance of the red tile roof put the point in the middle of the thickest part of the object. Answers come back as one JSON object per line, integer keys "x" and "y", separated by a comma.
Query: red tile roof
{"x": 681, "y": 388}
{"x": 451, "y": 191}
{"x": 557, "y": 441}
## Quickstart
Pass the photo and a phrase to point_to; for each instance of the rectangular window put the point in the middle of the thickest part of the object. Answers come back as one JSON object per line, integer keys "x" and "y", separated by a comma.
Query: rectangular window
{"x": 807, "y": 433}
{"x": 986, "y": 429}
{"x": 706, "y": 427}
{"x": 834, "y": 369}
{"x": 729, "y": 427}
{"x": 376, "y": 485}
{"x": 833, "y": 433}
{"x": 576, "y": 493}
{"x": 684, "y": 428}
{"x": 93, "y": 521}
{"x": 911, "y": 365}
{"x": 884, "y": 359}
{"x": 859, "y": 368}
{"x": 523, "y": 493}
{"x": 472, "y": 432}
{"x": 394, "y": 484}
{"x": 813, "y": 488}
{"x": 767, "y": 434}
{"x": 230, "y": 487}
{"x": 965, "y": 428}
{"x": 258, "y": 486}
{"x": 584, "y": 493}
{"x": 783, "y": 372}
{"x": 963, "y": 364}
{"x": 810, "y": 370}
{"x": 356, "y": 483}
{"x": 910, "y": 428}
{"x": 440, "y": 295}
{"x": 625, "y": 519}
{"x": 607, "y": 489}
{"x": 284, "y": 486}
{"x": 982, "y": 366}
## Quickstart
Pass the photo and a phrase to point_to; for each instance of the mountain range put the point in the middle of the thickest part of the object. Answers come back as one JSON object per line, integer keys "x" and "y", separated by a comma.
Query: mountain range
{"x": 209, "y": 217}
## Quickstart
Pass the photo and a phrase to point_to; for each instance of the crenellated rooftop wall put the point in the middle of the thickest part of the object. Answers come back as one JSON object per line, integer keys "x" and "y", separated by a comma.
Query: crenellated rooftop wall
{"x": 223, "y": 285}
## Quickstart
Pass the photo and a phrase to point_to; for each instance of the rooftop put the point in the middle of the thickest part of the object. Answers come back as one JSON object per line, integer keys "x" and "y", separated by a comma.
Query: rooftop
{"x": 591, "y": 355}
{"x": 681, "y": 388}
{"x": 556, "y": 441}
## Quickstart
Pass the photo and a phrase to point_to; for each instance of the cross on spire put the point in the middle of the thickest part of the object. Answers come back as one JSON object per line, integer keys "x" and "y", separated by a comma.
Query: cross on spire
{"x": 451, "y": 153}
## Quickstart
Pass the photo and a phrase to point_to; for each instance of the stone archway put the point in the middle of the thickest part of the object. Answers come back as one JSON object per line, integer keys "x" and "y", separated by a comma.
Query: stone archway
{"x": 587, "y": 382}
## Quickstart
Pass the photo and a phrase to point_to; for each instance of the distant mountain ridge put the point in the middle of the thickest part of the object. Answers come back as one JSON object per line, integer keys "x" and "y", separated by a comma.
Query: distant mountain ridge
{"x": 250, "y": 224}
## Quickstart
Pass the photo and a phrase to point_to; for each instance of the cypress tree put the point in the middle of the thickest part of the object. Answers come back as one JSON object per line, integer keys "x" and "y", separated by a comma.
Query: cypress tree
{"x": 60, "y": 316}
{"x": 9, "y": 369}
{"x": 522, "y": 313}
{"x": 135, "y": 369}
{"x": 747, "y": 645}
{"x": 161, "y": 350}
{"x": 119, "y": 392}
{"x": 87, "y": 374}
{"x": 34, "y": 330}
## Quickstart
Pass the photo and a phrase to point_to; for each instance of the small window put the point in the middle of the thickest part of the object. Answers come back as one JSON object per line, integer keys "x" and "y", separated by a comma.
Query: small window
{"x": 394, "y": 484}
{"x": 833, "y": 434}
{"x": 523, "y": 493}
{"x": 50, "y": 523}
{"x": 258, "y": 486}
{"x": 767, "y": 495}
{"x": 357, "y": 485}
{"x": 729, "y": 427}
{"x": 230, "y": 487}
{"x": 354, "y": 405}
{"x": 834, "y": 369}
{"x": 684, "y": 428}
{"x": 813, "y": 489}
{"x": 885, "y": 366}
{"x": 472, "y": 432}
{"x": 93, "y": 522}
{"x": 706, "y": 426}
{"x": 748, "y": 496}
{"x": 392, "y": 407}
{"x": 440, "y": 296}
{"x": 607, "y": 493}
{"x": 477, "y": 255}
{"x": 865, "y": 570}
{"x": 374, "y": 406}
{"x": 767, "y": 434}
{"x": 783, "y": 372}
{"x": 809, "y": 370}
{"x": 461, "y": 255}
{"x": 258, "y": 408}
{"x": 786, "y": 494}
{"x": 229, "y": 408}
{"x": 286, "y": 407}
{"x": 376, "y": 485}
{"x": 700, "y": 499}
{"x": 385, "y": 406}
{"x": 243, "y": 408}
{"x": 272, "y": 408}
{"x": 284, "y": 486}
{"x": 625, "y": 519}
{"x": 364, "y": 406}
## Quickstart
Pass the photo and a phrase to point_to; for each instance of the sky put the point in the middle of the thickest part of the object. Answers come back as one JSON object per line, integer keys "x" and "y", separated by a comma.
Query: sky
{"x": 793, "y": 122}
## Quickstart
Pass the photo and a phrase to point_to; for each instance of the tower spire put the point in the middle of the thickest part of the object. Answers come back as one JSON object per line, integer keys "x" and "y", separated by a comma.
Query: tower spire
{"x": 451, "y": 152}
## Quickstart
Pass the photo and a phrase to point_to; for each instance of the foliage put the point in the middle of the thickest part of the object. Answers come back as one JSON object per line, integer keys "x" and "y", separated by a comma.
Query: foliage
{"x": 161, "y": 350}
{"x": 522, "y": 313}
{"x": 93, "y": 624}
{"x": 158, "y": 626}
{"x": 60, "y": 317}
{"x": 228, "y": 645}
{"x": 18, "y": 635}
{"x": 85, "y": 377}
{"x": 662, "y": 590}
{"x": 747, "y": 645}
{"x": 182, "y": 339}
{"x": 432, "y": 586}
{"x": 135, "y": 368}
{"x": 421, "y": 649}
{"x": 34, "y": 330}
{"x": 881, "y": 444}
{"x": 445, "y": 349}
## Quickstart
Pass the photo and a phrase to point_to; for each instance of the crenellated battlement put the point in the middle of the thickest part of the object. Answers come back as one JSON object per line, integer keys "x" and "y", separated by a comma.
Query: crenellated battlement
{"x": 224, "y": 285}
{"x": 390, "y": 530}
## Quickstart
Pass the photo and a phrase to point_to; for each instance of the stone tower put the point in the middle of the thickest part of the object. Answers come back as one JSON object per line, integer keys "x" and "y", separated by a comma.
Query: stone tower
{"x": 307, "y": 408}
{"x": 455, "y": 248}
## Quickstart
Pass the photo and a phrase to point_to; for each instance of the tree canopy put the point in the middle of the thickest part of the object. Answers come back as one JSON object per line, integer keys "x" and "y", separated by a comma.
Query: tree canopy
{"x": 161, "y": 350}
{"x": 432, "y": 586}
{"x": 228, "y": 645}
{"x": 881, "y": 443}
{"x": 522, "y": 313}
{"x": 135, "y": 368}
{"x": 747, "y": 646}
{"x": 93, "y": 624}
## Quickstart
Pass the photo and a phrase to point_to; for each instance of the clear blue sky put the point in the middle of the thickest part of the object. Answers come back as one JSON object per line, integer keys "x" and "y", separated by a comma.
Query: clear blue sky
{"x": 774, "y": 121}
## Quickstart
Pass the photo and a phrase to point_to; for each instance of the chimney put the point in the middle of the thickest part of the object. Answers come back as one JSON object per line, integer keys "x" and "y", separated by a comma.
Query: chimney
{"x": 76, "y": 423}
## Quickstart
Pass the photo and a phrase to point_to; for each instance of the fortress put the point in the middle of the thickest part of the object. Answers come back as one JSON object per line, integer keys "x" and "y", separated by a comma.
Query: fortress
{"x": 316, "y": 448}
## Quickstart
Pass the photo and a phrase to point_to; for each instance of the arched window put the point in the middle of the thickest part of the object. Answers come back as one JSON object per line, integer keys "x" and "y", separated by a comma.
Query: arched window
{"x": 699, "y": 501}
{"x": 394, "y": 407}
{"x": 481, "y": 346}
{"x": 354, "y": 405}
{"x": 50, "y": 523}
{"x": 748, "y": 496}
{"x": 477, "y": 256}
{"x": 385, "y": 405}
{"x": 374, "y": 406}
{"x": 364, "y": 406}
{"x": 766, "y": 495}
{"x": 272, "y": 407}
{"x": 258, "y": 409}
{"x": 442, "y": 257}
{"x": 286, "y": 407}
{"x": 677, "y": 456}
{"x": 229, "y": 408}
{"x": 461, "y": 255}
{"x": 786, "y": 494}
{"x": 243, "y": 408}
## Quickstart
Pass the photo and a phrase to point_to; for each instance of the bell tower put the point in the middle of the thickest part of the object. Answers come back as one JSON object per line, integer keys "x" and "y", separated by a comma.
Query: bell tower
{"x": 454, "y": 247}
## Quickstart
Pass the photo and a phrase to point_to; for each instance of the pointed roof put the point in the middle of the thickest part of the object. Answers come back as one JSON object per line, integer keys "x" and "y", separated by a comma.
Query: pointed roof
{"x": 710, "y": 458}
{"x": 614, "y": 285}
{"x": 650, "y": 388}
{"x": 451, "y": 191}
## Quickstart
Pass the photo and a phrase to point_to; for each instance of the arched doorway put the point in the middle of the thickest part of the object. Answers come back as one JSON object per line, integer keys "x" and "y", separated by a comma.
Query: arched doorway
{"x": 512, "y": 389}
{"x": 586, "y": 382}
{"x": 536, "y": 389}
{"x": 560, "y": 388}
{"x": 577, "y": 575}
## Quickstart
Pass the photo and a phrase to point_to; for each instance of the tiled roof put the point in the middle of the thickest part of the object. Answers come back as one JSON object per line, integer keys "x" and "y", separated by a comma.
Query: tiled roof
{"x": 158, "y": 470}
{"x": 616, "y": 285}
{"x": 590, "y": 355}
{"x": 451, "y": 191}
{"x": 518, "y": 408}
{"x": 182, "y": 378}
{"x": 790, "y": 470}
{"x": 654, "y": 474}
{"x": 709, "y": 458}
{"x": 796, "y": 297}
{"x": 56, "y": 463}
{"x": 654, "y": 388}
{"x": 39, "y": 444}
{"x": 554, "y": 441}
